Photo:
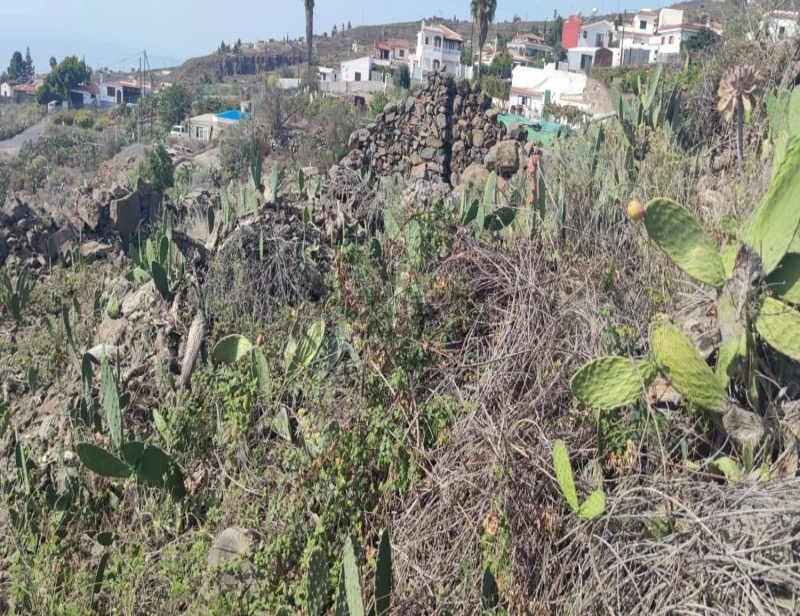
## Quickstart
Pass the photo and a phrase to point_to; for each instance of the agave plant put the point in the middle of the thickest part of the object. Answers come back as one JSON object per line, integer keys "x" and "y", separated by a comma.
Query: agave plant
{"x": 757, "y": 282}
{"x": 738, "y": 90}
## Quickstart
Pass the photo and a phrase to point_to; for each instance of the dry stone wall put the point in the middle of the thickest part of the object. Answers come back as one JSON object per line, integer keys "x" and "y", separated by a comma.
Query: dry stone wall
{"x": 434, "y": 134}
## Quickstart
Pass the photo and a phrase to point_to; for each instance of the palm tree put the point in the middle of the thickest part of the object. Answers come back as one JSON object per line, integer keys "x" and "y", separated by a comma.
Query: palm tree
{"x": 482, "y": 12}
{"x": 309, "y": 29}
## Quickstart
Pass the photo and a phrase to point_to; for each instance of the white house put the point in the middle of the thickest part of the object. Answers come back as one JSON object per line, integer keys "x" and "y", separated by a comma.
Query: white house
{"x": 525, "y": 47}
{"x": 667, "y": 40}
{"x": 438, "y": 47}
{"x": 644, "y": 22}
{"x": 356, "y": 70}
{"x": 531, "y": 88}
{"x": 780, "y": 25}
{"x": 326, "y": 75}
{"x": 390, "y": 53}
{"x": 6, "y": 90}
{"x": 597, "y": 34}
{"x": 119, "y": 92}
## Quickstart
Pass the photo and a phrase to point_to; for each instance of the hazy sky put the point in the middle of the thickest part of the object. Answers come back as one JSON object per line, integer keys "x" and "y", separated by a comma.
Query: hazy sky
{"x": 113, "y": 33}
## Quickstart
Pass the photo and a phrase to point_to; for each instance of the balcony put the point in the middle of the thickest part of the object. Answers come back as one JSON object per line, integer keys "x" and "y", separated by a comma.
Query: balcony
{"x": 442, "y": 53}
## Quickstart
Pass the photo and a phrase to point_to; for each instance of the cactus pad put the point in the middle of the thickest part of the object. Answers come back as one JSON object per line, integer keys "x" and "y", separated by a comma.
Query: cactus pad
{"x": 352, "y": 578}
{"x": 687, "y": 370}
{"x": 98, "y": 460}
{"x": 771, "y": 228}
{"x": 729, "y": 468}
{"x": 383, "y": 575}
{"x": 728, "y": 257}
{"x": 231, "y": 349}
{"x": 608, "y": 383}
{"x": 563, "y": 469}
{"x": 593, "y": 506}
{"x": 680, "y": 236}
{"x": 111, "y": 402}
{"x": 785, "y": 280}
{"x": 779, "y": 325}
{"x": 317, "y": 582}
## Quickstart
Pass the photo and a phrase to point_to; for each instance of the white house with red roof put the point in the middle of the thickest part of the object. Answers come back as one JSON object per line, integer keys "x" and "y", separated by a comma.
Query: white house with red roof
{"x": 438, "y": 48}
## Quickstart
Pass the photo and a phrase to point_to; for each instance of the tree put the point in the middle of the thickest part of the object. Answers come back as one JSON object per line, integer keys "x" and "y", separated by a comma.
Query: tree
{"x": 157, "y": 169}
{"x": 30, "y": 71}
{"x": 16, "y": 68}
{"x": 349, "y": 26}
{"x": 53, "y": 63}
{"x": 482, "y": 12}
{"x": 333, "y": 30}
{"x": 223, "y": 48}
{"x": 237, "y": 47}
{"x": 343, "y": 28}
{"x": 174, "y": 105}
{"x": 309, "y": 4}
{"x": 705, "y": 38}
{"x": 501, "y": 65}
{"x": 553, "y": 35}
{"x": 69, "y": 74}
{"x": 402, "y": 77}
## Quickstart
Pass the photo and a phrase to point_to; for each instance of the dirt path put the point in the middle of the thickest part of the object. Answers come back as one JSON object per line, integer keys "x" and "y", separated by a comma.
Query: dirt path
{"x": 32, "y": 133}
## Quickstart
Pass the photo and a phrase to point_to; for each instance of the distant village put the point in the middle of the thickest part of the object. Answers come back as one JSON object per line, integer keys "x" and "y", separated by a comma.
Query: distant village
{"x": 539, "y": 74}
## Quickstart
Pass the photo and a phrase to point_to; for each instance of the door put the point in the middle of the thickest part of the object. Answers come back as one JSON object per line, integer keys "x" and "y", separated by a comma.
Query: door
{"x": 358, "y": 76}
{"x": 586, "y": 62}
{"x": 119, "y": 97}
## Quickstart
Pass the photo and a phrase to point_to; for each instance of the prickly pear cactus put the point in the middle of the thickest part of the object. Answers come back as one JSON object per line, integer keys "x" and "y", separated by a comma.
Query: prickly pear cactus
{"x": 100, "y": 461}
{"x": 779, "y": 325}
{"x": 112, "y": 310}
{"x": 784, "y": 281}
{"x": 352, "y": 578}
{"x": 683, "y": 240}
{"x": 383, "y": 575}
{"x": 317, "y": 582}
{"x": 687, "y": 370}
{"x": 609, "y": 382}
{"x": 772, "y": 226}
{"x": 563, "y": 469}
{"x": 593, "y": 506}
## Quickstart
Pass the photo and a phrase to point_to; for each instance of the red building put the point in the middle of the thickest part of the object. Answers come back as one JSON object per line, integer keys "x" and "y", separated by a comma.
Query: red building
{"x": 570, "y": 30}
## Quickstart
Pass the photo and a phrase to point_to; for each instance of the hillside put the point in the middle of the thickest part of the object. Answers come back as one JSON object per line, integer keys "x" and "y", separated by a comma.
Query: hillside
{"x": 329, "y": 50}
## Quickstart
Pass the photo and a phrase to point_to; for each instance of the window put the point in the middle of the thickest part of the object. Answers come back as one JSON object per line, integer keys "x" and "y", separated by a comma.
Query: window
{"x": 110, "y": 92}
{"x": 662, "y": 40}
{"x": 437, "y": 42}
{"x": 402, "y": 53}
{"x": 523, "y": 100}
{"x": 598, "y": 40}
{"x": 202, "y": 133}
{"x": 436, "y": 65}
{"x": 671, "y": 40}
{"x": 427, "y": 41}
{"x": 642, "y": 24}
{"x": 358, "y": 76}
{"x": 781, "y": 32}
{"x": 585, "y": 34}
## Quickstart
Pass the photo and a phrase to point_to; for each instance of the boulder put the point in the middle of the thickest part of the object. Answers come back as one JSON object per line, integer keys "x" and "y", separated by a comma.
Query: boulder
{"x": 60, "y": 242}
{"x": 503, "y": 158}
{"x": 126, "y": 214}
{"x": 90, "y": 212}
{"x": 96, "y": 250}
{"x": 477, "y": 138}
{"x": 476, "y": 176}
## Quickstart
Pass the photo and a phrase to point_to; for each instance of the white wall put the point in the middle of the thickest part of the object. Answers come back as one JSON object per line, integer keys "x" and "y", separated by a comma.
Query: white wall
{"x": 351, "y": 67}
{"x": 649, "y": 25}
{"x": 5, "y": 90}
{"x": 774, "y": 25}
{"x": 670, "y": 17}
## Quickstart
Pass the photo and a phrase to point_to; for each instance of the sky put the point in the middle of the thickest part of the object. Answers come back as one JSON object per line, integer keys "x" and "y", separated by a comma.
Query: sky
{"x": 113, "y": 33}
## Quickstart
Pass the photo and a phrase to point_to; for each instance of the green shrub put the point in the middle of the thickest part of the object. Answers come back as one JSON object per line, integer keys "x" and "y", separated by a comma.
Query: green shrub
{"x": 102, "y": 122}
{"x": 158, "y": 169}
{"x": 378, "y": 103}
{"x": 237, "y": 145}
{"x": 83, "y": 119}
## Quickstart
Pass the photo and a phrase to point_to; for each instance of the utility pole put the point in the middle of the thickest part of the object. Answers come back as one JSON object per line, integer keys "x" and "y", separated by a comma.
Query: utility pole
{"x": 138, "y": 120}
{"x": 622, "y": 42}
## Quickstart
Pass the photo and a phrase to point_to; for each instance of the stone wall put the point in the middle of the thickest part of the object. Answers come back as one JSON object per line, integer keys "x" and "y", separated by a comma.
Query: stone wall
{"x": 435, "y": 133}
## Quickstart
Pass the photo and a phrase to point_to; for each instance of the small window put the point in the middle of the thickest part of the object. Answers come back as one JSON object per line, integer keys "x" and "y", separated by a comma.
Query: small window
{"x": 662, "y": 40}
{"x": 437, "y": 42}
{"x": 642, "y": 24}
{"x": 781, "y": 32}
{"x": 585, "y": 34}
{"x": 436, "y": 65}
{"x": 598, "y": 40}
{"x": 110, "y": 91}
{"x": 358, "y": 76}
{"x": 427, "y": 41}
{"x": 671, "y": 40}
{"x": 402, "y": 53}
{"x": 523, "y": 101}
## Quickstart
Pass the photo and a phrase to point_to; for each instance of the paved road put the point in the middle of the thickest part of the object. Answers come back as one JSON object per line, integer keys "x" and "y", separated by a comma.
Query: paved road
{"x": 12, "y": 146}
